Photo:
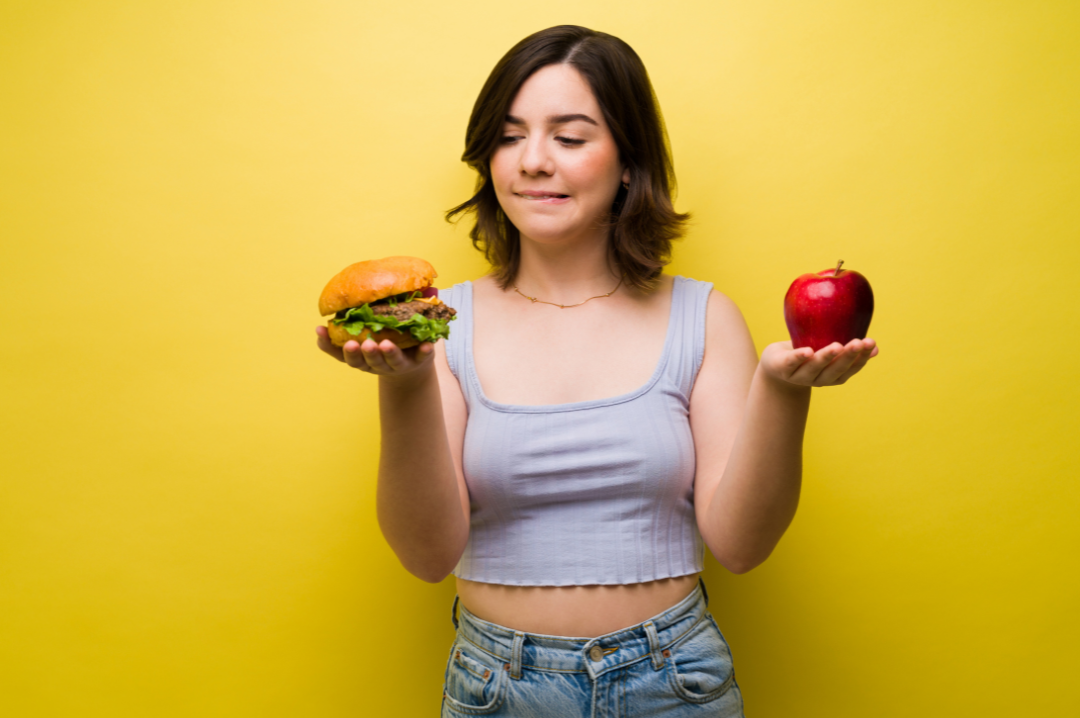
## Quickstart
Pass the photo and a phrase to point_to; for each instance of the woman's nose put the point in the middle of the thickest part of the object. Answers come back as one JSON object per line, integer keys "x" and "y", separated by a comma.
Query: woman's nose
{"x": 535, "y": 157}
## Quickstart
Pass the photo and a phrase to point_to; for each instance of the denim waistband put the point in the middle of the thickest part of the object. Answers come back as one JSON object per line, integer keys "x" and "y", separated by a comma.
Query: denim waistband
{"x": 595, "y": 656}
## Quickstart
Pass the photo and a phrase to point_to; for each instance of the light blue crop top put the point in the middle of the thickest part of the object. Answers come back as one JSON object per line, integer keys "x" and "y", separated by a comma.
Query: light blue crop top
{"x": 593, "y": 492}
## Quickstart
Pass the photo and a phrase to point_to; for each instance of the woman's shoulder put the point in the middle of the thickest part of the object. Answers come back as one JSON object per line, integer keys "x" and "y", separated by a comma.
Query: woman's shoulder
{"x": 466, "y": 295}
{"x": 457, "y": 295}
{"x": 483, "y": 284}
{"x": 716, "y": 296}
{"x": 722, "y": 315}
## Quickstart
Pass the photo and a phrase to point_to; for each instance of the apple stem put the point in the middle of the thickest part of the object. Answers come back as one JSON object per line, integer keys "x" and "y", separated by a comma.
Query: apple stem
{"x": 838, "y": 265}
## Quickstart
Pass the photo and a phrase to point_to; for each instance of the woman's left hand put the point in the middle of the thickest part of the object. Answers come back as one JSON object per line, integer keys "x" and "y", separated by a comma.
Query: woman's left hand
{"x": 829, "y": 366}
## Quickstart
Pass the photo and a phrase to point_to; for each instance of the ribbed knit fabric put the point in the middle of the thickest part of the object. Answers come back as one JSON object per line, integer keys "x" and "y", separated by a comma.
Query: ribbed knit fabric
{"x": 592, "y": 492}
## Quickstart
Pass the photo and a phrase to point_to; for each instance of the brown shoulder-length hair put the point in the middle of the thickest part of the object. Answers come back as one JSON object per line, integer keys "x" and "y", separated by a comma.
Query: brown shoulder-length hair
{"x": 643, "y": 220}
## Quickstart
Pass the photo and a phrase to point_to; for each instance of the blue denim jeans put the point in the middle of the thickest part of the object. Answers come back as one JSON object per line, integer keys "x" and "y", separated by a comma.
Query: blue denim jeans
{"x": 675, "y": 664}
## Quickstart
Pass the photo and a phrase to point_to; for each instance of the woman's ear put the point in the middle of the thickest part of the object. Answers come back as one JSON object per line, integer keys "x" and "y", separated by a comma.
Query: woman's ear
{"x": 626, "y": 175}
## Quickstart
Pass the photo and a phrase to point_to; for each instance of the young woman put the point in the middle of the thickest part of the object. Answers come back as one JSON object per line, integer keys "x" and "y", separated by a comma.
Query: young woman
{"x": 592, "y": 423}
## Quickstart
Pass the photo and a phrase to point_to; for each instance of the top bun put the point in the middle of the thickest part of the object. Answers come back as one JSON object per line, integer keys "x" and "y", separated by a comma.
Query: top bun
{"x": 375, "y": 279}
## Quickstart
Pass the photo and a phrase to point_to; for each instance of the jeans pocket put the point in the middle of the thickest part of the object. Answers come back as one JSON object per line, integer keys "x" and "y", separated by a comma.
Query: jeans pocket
{"x": 700, "y": 665}
{"x": 474, "y": 682}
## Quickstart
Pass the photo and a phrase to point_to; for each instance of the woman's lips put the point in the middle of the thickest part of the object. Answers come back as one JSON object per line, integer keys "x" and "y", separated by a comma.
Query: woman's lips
{"x": 545, "y": 197}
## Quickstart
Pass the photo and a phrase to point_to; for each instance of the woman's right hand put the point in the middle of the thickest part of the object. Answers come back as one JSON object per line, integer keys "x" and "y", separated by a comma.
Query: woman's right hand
{"x": 383, "y": 359}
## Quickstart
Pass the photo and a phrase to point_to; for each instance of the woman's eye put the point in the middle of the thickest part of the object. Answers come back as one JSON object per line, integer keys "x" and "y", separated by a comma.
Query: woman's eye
{"x": 510, "y": 139}
{"x": 570, "y": 142}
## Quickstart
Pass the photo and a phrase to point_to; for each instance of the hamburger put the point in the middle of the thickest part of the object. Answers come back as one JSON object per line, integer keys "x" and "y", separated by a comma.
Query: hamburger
{"x": 389, "y": 298}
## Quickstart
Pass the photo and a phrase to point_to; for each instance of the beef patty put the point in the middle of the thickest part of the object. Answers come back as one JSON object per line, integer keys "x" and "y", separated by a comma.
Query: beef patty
{"x": 403, "y": 311}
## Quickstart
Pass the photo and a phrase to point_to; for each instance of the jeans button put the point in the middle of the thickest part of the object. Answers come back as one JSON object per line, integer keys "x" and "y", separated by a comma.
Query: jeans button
{"x": 596, "y": 653}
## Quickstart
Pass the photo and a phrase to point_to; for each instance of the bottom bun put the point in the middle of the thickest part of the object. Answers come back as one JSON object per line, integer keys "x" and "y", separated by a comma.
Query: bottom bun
{"x": 339, "y": 335}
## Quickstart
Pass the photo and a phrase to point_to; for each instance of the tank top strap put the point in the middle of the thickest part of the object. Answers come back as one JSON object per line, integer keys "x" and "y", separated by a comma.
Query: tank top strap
{"x": 686, "y": 350}
{"x": 459, "y": 344}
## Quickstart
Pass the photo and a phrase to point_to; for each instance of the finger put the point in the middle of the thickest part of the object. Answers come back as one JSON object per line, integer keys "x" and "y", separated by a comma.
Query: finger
{"x": 354, "y": 357}
{"x": 868, "y": 353}
{"x": 424, "y": 352}
{"x": 781, "y": 361}
{"x": 796, "y": 358}
{"x": 854, "y": 368}
{"x": 808, "y": 373}
{"x": 394, "y": 356}
{"x": 839, "y": 366}
{"x": 419, "y": 355}
{"x": 325, "y": 344}
{"x": 374, "y": 357}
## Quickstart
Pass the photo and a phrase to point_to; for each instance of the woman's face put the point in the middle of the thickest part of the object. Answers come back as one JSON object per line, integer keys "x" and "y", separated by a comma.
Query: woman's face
{"x": 557, "y": 170}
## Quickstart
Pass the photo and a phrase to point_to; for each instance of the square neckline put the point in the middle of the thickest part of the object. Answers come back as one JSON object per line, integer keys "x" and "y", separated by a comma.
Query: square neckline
{"x": 474, "y": 379}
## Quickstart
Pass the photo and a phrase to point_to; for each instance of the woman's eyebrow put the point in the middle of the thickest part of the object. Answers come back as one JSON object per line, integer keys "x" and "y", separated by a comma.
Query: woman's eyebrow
{"x": 555, "y": 119}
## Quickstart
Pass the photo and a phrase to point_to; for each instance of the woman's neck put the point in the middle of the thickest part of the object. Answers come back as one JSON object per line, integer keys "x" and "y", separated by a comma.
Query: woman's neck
{"x": 564, "y": 273}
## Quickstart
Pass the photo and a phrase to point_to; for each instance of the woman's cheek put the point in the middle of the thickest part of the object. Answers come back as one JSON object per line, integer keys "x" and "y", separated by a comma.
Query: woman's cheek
{"x": 597, "y": 168}
{"x": 501, "y": 166}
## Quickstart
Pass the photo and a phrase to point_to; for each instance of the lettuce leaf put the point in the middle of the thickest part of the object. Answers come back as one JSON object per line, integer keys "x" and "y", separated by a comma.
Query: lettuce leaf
{"x": 357, "y": 319}
{"x": 402, "y": 298}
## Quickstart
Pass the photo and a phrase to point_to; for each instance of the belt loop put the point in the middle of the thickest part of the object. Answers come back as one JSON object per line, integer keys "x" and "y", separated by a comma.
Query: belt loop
{"x": 453, "y": 612}
{"x": 515, "y": 655}
{"x": 705, "y": 593}
{"x": 654, "y": 646}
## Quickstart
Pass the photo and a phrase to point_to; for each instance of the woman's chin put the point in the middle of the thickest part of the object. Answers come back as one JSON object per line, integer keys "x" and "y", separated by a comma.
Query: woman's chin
{"x": 559, "y": 232}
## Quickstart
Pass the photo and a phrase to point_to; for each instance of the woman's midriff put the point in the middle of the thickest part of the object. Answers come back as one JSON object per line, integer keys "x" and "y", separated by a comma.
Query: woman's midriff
{"x": 578, "y": 611}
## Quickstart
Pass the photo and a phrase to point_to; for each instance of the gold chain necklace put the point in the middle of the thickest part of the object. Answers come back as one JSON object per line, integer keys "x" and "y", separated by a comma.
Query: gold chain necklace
{"x": 534, "y": 300}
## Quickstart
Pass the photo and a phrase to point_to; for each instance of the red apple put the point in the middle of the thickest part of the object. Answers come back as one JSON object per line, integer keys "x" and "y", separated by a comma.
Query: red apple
{"x": 834, "y": 305}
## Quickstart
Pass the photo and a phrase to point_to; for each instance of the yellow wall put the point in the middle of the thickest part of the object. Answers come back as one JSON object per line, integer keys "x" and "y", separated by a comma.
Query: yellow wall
{"x": 186, "y": 502}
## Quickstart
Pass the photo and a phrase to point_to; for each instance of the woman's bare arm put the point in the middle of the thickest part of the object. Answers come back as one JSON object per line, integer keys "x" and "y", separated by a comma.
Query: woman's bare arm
{"x": 748, "y": 419}
{"x": 422, "y": 500}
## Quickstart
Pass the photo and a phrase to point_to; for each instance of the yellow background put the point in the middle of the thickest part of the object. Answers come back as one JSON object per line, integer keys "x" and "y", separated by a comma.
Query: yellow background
{"x": 186, "y": 503}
